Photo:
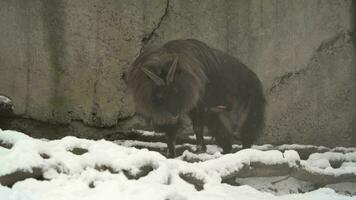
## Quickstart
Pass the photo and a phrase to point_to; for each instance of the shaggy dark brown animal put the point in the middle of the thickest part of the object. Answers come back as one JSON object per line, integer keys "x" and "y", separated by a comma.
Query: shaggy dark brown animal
{"x": 187, "y": 77}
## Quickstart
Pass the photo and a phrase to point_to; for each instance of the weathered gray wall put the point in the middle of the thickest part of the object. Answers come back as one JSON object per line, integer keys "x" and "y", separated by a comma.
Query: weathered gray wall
{"x": 61, "y": 61}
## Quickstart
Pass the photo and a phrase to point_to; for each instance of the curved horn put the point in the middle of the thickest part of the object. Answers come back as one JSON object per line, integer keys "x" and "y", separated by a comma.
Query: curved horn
{"x": 156, "y": 79}
{"x": 172, "y": 70}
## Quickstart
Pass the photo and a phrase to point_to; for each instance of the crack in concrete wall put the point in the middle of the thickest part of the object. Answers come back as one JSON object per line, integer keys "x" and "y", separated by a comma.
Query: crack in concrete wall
{"x": 326, "y": 46}
{"x": 146, "y": 39}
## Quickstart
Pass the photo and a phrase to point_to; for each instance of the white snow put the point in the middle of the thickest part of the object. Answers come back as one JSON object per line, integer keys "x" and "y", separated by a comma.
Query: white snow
{"x": 292, "y": 157}
{"x": 133, "y": 143}
{"x": 78, "y": 177}
{"x": 4, "y": 99}
{"x": 320, "y": 162}
{"x": 334, "y": 156}
{"x": 231, "y": 162}
{"x": 299, "y": 146}
{"x": 187, "y": 155}
{"x": 149, "y": 133}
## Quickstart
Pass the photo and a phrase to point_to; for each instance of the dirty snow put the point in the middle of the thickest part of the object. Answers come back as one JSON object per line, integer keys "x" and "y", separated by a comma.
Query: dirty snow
{"x": 69, "y": 176}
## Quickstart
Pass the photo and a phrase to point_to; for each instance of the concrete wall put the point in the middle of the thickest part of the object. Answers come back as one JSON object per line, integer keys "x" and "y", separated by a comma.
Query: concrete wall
{"x": 62, "y": 61}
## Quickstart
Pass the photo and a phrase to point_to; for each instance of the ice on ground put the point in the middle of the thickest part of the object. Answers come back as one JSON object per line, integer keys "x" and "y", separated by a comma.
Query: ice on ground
{"x": 279, "y": 185}
{"x": 344, "y": 188}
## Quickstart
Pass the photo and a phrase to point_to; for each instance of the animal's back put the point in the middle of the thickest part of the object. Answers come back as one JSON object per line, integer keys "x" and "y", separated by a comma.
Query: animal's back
{"x": 225, "y": 73}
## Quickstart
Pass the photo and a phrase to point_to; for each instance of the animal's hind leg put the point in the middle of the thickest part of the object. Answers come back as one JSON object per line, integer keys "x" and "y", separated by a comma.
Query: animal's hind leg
{"x": 199, "y": 133}
{"x": 171, "y": 143}
{"x": 224, "y": 140}
{"x": 252, "y": 127}
{"x": 222, "y": 136}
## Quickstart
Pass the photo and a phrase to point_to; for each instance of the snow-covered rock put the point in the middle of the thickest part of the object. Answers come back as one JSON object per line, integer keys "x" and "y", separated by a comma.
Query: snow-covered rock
{"x": 6, "y": 106}
{"x": 73, "y": 168}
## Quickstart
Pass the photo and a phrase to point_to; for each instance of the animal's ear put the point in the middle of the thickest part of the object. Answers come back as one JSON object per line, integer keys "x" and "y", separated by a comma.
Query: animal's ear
{"x": 156, "y": 79}
{"x": 172, "y": 70}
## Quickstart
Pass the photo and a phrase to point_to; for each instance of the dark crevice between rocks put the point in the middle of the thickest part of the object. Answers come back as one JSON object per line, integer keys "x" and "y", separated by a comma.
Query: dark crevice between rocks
{"x": 143, "y": 171}
{"x": 78, "y": 151}
{"x": 336, "y": 163}
{"x": 231, "y": 181}
{"x": 146, "y": 39}
{"x": 10, "y": 179}
{"x": 191, "y": 179}
{"x": 91, "y": 185}
{"x": 102, "y": 168}
{"x": 45, "y": 156}
{"x": 5, "y": 145}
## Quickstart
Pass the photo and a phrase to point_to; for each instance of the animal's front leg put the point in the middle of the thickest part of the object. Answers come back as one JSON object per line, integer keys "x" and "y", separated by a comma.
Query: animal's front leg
{"x": 171, "y": 132}
{"x": 198, "y": 128}
{"x": 171, "y": 143}
{"x": 197, "y": 117}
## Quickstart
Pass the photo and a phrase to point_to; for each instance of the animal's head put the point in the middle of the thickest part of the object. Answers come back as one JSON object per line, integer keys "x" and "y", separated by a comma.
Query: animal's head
{"x": 165, "y": 85}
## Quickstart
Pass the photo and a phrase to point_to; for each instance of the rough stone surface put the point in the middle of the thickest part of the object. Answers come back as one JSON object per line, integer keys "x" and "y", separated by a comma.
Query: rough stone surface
{"x": 315, "y": 104}
{"x": 62, "y": 62}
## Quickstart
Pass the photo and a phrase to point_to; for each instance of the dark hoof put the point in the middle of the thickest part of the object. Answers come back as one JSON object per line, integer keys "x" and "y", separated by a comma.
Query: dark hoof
{"x": 171, "y": 154}
{"x": 227, "y": 150}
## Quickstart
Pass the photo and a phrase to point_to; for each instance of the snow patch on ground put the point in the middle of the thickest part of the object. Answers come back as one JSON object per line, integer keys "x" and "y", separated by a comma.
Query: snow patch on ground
{"x": 99, "y": 172}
